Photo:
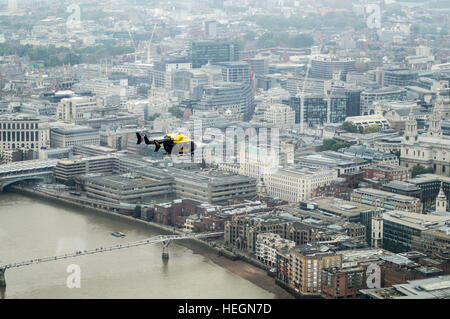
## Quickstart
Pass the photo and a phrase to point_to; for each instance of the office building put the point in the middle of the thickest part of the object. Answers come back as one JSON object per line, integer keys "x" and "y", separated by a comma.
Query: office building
{"x": 428, "y": 288}
{"x": 388, "y": 201}
{"x": 22, "y": 131}
{"x": 400, "y": 226}
{"x": 233, "y": 100}
{"x": 369, "y": 96}
{"x": 280, "y": 115}
{"x": 126, "y": 188}
{"x": 70, "y": 135}
{"x": 318, "y": 110}
{"x": 324, "y": 67}
{"x": 77, "y": 108}
{"x": 203, "y": 52}
{"x": 236, "y": 71}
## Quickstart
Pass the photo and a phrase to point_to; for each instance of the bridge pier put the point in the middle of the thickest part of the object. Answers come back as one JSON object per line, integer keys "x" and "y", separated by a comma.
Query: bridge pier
{"x": 2, "y": 278}
{"x": 165, "y": 251}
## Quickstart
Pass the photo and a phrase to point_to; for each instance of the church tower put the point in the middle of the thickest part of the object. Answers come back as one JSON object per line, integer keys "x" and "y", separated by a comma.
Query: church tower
{"x": 441, "y": 201}
{"x": 411, "y": 134}
{"x": 261, "y": 189}
{"x": 434, "y": 130}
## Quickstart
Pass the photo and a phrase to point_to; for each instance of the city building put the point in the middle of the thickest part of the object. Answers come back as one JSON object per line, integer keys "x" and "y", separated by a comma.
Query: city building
{"x": 430, "y": 149}
{"x": 318, "y": 109}
{"x": 429, "y": 288}
{"x": 306, "y": 264}
{"x": 297, "y": 183}
{"x": 213, "y": 51}
{"x": 397, "y": 77}
{"x": 267, "y": 245}
{"x": 236, "y": 71}
{"x": 387, "y": 172}
{"x": 22, "y": 131}
{"x": 70, "y": 135}
{"x": 369, "y": 96}
{"x": 67, "y": 169}
{"x": 400, "y": 226}
{"x": 77, "y": 108}
{"x": 125, "y": 188}
{"x": 434, "y": 242}
{"x": 234, "y": 100}
{"x": 280, "y": 115}
{"x": 343, "y": 283}
{"x": 387, "y": 200}
{"x": 324, "y": 67}
{"x": 430, "y": 185}
{"x": 368, "y": 120}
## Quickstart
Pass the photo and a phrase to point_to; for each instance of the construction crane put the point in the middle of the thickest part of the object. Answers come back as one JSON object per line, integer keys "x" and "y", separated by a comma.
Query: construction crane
{"x": 132, "y": 41}
{"x": 252, "y": 74}
{"x": 149, "y": 43}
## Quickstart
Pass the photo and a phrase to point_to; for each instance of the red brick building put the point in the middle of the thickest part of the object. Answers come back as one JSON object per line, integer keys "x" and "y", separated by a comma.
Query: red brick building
{"x": 343, "y": 283}
{"x": 385, "y": 171}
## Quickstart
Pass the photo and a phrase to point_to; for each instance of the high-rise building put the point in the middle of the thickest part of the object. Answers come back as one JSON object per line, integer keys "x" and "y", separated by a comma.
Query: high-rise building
{"x": 77, "y": 108}
{"x": 326, "y": 67}
{"x": 163, "y": 71}
{"x": 22, "y": 131}
{"x": 280, "y": 115}
{"x": 397, "y": 77}
{"x": 384, "y": 94}
{"x": 236, "y": 71}
{"x": 317, "y": 109}
{"x": 211, "y": 29}
{"x": 203, "y": 52}
{"x": 228, "y": 98}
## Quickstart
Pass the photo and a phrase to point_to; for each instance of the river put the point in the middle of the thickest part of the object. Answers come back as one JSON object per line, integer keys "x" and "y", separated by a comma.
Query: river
{"x": 31, "y": 228}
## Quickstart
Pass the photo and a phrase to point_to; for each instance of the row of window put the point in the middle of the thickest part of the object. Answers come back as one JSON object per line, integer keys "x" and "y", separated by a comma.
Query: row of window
{"x": 19, "y": 136}
{"x": 19, "y": 126}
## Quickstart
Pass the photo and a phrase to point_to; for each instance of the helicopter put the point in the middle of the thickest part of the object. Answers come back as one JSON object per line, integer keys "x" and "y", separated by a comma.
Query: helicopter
{"x": 184, "y": 143}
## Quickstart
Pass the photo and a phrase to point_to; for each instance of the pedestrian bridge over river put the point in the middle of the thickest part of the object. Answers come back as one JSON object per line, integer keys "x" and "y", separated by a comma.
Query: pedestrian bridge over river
{"x": 164, "y": 239}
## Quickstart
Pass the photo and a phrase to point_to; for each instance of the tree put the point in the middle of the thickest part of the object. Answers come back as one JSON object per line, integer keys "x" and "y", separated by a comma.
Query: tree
{"x": 419, "y": 169}
{"x": 176, "y": 111}
{"x": 349, "y": 127}
{"x": 332, "y": 144}
{"x": 154, "y": 116}
{"x": 372, "y": 129}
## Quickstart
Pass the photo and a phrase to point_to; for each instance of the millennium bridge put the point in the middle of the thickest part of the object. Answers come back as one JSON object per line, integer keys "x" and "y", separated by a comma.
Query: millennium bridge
{"x": 164, "y": 239}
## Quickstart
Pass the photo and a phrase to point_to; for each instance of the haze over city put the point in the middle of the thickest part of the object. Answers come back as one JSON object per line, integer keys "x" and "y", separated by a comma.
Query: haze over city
{"x": 251, "y": 149}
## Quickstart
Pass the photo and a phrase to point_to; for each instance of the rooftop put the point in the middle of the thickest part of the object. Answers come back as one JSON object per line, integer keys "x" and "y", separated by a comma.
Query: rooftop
{"x": 416, "y": 221}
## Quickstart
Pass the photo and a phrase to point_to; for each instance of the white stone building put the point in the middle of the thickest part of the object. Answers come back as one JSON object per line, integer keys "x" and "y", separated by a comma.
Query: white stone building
{"x": 267, "y": 245}
{"x": 429, "y": 149}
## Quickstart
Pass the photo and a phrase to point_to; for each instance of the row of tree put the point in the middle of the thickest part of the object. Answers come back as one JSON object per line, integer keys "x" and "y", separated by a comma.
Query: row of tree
{"x": 274, "y": 39}
{"x": 312, "y": 21}
{"x": 333, "y": 145}
{"x": 352, "y": 128}
{"x": 55, "y": 56}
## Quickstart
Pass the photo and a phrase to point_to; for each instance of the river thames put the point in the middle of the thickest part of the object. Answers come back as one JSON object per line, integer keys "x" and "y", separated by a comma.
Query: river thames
{"x": 31, "y": 228}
